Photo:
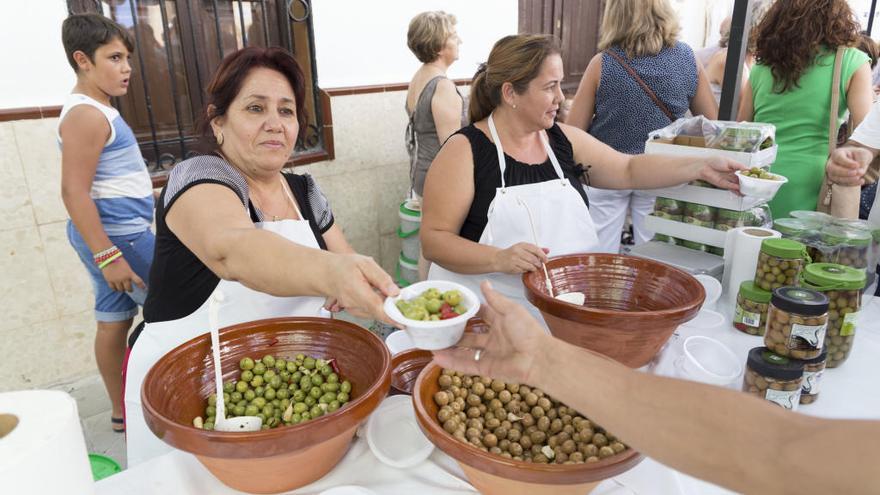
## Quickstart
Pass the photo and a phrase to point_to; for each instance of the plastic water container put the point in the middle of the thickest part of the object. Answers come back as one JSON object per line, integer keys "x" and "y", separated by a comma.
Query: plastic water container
{"x": 410, "y": 222}
{"x": 410, "y": 245}
{"x": 407, "y": 271}
{"x": 410, "y": 216}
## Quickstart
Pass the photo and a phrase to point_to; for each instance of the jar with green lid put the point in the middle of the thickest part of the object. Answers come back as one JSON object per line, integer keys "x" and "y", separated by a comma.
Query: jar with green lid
{"x": 813, "y": 371}
{"x": 797, "y": 229}
{"x": 774, "y": 378}
{"x": 796, "y": 322}
{"x": 669, "y": 206}
{"x": 843, "y": 287}
{"x": 696, "y": 246}
{"x": 731, "y": 219}
{"x": 852, "y": 245}
{"x": 863, "y": 225}
{"x": 664, "y": 239}
{"x": 752, "y": 304}
{"x": 816, "y": 216}
{"x": 780, "y": 262}
{"x": 701, "y": 215}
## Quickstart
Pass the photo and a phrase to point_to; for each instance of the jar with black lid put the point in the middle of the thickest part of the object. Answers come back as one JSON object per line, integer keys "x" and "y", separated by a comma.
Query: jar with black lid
{"x": 797, "y": 321}
{"x": 774, "y": 378}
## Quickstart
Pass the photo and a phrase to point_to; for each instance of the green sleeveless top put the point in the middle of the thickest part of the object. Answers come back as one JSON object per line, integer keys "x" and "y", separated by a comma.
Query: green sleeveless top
{"x": 801, "y": 119}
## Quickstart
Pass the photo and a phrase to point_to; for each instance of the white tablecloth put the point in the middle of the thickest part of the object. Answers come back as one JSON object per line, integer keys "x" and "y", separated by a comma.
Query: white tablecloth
{"x": 851, "y": 391}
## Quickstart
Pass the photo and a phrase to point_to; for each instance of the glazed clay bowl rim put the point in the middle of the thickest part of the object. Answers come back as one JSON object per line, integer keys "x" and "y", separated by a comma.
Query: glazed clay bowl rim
{"x": 521, "y": 471}
{"x": 570, "y": 311}
{"x": 224, "y": 443}
{"x": 409, "y": 356}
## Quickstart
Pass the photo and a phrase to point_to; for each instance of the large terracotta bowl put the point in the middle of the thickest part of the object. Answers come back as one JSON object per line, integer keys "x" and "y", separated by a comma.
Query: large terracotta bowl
{"x": 280, "y": 459}
{"x": 495, "y": 475}
{"x": 633, "y": 305}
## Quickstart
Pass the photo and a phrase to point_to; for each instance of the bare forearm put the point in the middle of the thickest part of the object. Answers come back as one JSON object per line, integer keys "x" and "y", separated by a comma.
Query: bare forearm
{"x": 715, "y": 434}
{"x": 653, "y": 171}
{"x": 266, "y": 262}
{"x": 456, "y": 253}
{"x": 84, "y": 215}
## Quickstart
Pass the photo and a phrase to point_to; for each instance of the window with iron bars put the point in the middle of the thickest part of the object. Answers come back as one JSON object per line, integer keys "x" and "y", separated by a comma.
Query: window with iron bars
{"x": 179, "y": 44}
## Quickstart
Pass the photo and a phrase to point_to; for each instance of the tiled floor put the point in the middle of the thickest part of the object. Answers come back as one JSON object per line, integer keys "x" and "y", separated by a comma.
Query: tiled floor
{"x": 94, "y": 414}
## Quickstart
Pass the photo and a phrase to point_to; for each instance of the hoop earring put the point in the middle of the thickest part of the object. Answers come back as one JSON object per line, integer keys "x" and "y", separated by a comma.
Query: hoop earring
{"x": 219, "y": 138}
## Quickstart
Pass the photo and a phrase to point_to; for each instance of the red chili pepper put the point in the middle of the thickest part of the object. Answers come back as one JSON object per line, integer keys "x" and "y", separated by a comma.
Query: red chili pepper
{"x": 333, "y": 365}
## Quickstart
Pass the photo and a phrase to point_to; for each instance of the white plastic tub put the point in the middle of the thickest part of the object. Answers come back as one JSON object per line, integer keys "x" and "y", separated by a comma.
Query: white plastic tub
{"x": 434, "y": 335}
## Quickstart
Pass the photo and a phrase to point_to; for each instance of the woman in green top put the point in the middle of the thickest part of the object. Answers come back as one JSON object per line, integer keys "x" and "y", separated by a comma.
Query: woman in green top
{"x": 790, "y": 87}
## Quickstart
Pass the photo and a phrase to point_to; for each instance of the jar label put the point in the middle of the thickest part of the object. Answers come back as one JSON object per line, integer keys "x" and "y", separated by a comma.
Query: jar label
{"x": 810, "y": 386}
{"x": 747, "y": 317}
{"x": 807, "y": 336}
{"x": 849, "y": 324}
{"x": 788, "y": 399}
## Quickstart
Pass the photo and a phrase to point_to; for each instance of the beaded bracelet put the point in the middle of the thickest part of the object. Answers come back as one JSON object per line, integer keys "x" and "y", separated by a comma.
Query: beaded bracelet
{"x": 109, "y": 260}
{"x": 105, "y": 254}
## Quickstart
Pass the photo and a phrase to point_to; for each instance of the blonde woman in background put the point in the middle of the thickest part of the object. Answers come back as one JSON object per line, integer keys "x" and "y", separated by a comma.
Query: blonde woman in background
{"x": 643, "y": 80}
{"x": 433, "y": 104}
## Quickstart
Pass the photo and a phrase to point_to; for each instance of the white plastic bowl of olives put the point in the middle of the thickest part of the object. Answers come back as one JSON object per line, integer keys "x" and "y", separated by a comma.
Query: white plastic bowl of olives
{"x": 759, "y": 183}
{"x": 434, "y": 313}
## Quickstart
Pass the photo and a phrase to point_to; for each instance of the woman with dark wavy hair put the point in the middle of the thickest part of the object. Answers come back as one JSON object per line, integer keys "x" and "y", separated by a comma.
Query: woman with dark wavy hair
{"x": 790, "y": 87}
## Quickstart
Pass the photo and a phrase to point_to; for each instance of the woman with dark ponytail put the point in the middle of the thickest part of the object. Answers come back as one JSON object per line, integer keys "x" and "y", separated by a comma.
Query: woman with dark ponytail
{"x": 514, "y": 170}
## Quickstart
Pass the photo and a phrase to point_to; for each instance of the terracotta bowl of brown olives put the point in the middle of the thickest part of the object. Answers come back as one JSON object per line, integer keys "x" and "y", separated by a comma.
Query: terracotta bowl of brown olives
{"x": 283, "y": 458}
{"x": 632, "y": 306}
{"x": 494, "y": 473}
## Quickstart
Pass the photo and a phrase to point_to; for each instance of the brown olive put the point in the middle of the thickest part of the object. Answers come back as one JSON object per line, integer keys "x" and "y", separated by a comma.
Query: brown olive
{"x": 519, "y": 422}
{"x": 606, "y": 452}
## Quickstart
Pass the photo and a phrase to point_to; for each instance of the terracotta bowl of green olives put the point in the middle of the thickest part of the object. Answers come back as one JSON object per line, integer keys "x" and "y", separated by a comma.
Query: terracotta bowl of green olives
{"x": 759, "y": 183}
{"x": 632, "y": 306}
{"x": 534, "y": 455}
{"x": 285, "y": 457}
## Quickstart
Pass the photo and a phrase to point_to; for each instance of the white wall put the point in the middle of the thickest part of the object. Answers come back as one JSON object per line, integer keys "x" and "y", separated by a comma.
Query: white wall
{"x": 363, "y": 43}
{"x": 35, "y": 71}
{"x": 700, "y": 20}
{"x": 357, "y": 42}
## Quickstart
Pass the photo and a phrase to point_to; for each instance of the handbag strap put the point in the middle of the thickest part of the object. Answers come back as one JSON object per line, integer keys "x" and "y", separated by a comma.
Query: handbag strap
{"x": 835, "y": 100}
{"x": 641, "y": 83}
{"x": 832, "y": 121}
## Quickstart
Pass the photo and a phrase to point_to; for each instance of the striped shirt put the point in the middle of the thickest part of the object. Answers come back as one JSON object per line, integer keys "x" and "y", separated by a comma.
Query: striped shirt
{"x": 121, "y": 189}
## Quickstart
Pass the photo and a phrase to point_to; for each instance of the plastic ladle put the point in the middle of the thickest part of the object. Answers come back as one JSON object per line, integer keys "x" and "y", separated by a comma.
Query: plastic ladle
{"x": 576, "y": 298}
{"x": 221, "y": 423}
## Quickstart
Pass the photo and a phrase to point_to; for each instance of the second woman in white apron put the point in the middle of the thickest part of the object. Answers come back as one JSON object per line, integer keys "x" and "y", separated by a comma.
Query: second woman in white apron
{"x": 514, "y": 161}
{"x": 233, "y": 223}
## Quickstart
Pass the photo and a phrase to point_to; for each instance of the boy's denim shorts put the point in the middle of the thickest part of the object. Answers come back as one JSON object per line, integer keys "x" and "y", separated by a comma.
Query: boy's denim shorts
{"x": 137, "y": 249}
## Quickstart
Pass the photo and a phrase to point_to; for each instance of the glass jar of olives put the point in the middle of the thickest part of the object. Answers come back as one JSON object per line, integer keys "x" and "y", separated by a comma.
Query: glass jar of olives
{"x": 813, "y": 370}
{"x": 779, "y": 263}
{"x": 843, "y": 287}
{"x": 701, "y": 215}
{"x": 773, "y": 377}
{"x": 669, "y": 206}
{"x": 817, "y": 217}
{"x": 796, "y": 229}
{"x": 752, "y": 304}
{"x": 796, "y": 322}
{"x": 696, "y": 246}
{"x": 862, "y": 225}
{"x": 851, "y": 245}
